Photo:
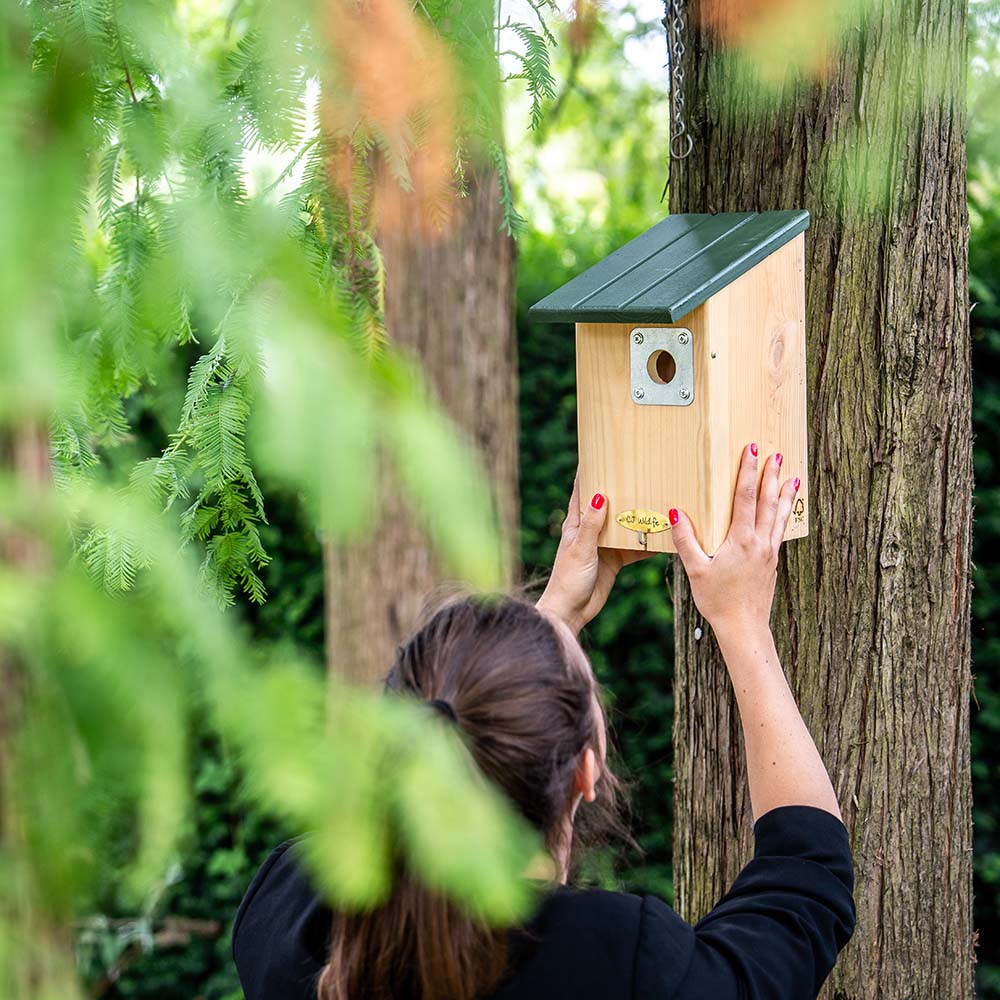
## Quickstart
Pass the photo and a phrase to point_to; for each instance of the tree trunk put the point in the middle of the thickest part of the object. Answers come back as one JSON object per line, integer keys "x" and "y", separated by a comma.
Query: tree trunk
{"x": 872, "y": 611}
{"x": 449, "y": 301}
{"x": 24, "y": 455}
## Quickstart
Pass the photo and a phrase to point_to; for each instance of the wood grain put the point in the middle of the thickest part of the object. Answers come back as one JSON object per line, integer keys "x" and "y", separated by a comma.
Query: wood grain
{"x": 749, "y": 385}
{"x": 462, "y": 331}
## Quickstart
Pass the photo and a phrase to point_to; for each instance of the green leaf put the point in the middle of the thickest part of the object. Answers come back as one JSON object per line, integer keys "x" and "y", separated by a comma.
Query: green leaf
{"x": 109, "y": 186}
{"x": 535, "y": 70}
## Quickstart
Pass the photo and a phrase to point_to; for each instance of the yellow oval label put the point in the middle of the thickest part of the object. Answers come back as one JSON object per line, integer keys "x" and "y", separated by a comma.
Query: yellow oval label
{"x": 642, "y": 520}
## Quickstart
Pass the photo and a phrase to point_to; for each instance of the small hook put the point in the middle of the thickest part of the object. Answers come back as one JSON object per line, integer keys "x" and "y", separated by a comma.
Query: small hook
{"x": 681, "y": 146}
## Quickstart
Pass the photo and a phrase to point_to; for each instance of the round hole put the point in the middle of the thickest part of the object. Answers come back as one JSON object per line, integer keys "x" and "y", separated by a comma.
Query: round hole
{"x": 661, "y": 367}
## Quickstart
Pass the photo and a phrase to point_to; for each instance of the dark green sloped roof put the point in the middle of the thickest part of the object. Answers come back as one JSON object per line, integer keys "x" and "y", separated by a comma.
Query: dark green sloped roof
{"x": 672, "y": 268}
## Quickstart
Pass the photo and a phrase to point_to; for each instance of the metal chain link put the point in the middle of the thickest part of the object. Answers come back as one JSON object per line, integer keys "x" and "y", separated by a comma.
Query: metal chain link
{"x": 681, "y": 142}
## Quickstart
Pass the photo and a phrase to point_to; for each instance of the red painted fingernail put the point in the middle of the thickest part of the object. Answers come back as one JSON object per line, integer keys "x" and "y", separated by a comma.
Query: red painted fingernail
{"x": 779, "y": 458}
{"x": 753, "y": 450}
{"x": 797, "y": 484}
{"x": 673, "y": 515}
{"x": 598, "y": 501}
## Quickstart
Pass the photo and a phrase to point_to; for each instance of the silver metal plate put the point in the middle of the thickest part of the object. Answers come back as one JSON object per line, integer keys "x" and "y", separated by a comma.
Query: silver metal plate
{"x": 662, "y": 366}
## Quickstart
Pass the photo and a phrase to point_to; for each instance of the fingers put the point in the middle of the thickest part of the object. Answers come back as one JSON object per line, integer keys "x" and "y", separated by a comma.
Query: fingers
{"x": 692, "y": 554}
{"x": 745, "y": 498}
{"x": 767, "y": 502}
{"x": 591, "y": 521}
{"x": 786, "y": 498}
{"x": 573, "y": 511}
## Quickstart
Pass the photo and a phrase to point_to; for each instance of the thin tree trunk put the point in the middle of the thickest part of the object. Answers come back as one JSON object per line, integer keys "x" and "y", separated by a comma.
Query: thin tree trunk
{"x": 449, "y": 301}
{"x": 872, "y": 612}
{"x": 24, "y": 455}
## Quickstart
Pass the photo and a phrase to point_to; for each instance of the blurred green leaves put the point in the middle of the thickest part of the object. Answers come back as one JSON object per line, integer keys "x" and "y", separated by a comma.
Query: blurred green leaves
{"x": 156, "y": 290}
{"x": 178, "y": 253}
{"x": 865, "y": 55}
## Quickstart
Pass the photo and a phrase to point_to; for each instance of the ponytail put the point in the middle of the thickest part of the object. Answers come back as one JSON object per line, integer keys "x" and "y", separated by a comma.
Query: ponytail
{"x": 417, "y": 946}
{"x": 524, "y": 700}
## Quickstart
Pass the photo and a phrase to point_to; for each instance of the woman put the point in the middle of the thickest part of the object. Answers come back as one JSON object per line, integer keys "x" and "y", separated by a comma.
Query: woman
{"x": 514, "y": 681}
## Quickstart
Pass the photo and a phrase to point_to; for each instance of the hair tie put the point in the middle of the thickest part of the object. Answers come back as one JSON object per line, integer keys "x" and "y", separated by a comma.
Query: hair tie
{"x": 443, "y": 708}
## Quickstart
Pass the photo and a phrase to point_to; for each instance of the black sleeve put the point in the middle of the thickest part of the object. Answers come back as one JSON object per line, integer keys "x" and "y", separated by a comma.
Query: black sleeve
{"x": 777, "y": 932}
{"x": 281, "y": 932}
{"x": 258, "y": 880}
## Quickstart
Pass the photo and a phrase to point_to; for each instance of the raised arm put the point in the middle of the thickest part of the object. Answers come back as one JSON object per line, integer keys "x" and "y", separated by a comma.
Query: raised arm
{"x": 583, "y": 574}
{"x": 734, "y": 590}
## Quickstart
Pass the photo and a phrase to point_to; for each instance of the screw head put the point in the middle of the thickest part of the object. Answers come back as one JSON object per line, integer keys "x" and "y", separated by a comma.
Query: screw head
{"x": 682, "y": 338}
{"x": 638, "y": 338}
{"x": 639, "y": 392}
{"x": 685, "y": 394}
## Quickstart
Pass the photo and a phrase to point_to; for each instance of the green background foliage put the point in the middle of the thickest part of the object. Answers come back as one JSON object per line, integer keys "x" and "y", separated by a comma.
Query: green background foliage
{"x": 609, "y": 131}
{"x": 588, "y": 178}
{"x": 180, "y": 330}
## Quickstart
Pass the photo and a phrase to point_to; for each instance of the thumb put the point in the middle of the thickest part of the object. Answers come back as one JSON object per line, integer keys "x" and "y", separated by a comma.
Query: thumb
{"x": 592, "y": 520}
{"x": 692, "y": 554}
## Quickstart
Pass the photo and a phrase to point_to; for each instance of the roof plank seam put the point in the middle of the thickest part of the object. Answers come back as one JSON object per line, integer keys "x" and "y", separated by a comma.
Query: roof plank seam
{"x": 640, "y": 262}
{"x": 684, "y": 263}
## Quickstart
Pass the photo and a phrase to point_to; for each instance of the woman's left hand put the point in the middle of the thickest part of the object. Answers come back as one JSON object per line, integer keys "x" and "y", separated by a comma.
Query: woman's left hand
{"x": 583, "y": 574}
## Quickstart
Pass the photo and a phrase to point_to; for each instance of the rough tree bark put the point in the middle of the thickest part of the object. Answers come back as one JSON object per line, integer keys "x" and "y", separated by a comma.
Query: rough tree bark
{"x": 449, "y": 301}
{"x": 872, "y": 612}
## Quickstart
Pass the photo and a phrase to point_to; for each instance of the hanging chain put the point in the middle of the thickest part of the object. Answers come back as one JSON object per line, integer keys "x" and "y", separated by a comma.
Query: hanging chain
{"x": 681, "y": 142}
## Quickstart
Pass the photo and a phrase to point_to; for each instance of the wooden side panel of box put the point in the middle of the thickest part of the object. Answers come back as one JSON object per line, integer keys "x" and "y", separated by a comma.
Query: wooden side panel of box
{"x": 757, "y": 333}
{"x": 641, "y": 457}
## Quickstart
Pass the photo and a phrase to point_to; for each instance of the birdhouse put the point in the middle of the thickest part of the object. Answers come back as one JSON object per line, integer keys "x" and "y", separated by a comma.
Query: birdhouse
{"x": 690, "y": 344}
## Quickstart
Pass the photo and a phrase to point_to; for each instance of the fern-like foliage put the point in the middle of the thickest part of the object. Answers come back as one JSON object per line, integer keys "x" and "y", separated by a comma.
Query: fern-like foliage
{"x": 150, "y": 274}
{"x": 209, "y": 449}
{"x": 535, "y": 69}
{"x": 513, "y": 221}
{"x": 170, "y": 178}
{"x": 114, "y": 557}
{"x": 266, "y": 86}
{"x": 332, "y": 222}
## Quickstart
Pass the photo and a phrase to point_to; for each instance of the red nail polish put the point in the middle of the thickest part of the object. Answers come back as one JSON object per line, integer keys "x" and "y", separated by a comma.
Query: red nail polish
{"x": 779, "y": 458}
{"x": 673, "y": 515}
{"x": 598, "y": 501}
{"x": 797, "y": 484}
{"x": 753, "y": 450}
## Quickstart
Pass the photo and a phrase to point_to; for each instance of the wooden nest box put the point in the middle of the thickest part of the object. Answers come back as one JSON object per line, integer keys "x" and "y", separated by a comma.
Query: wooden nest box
{"x": 690, "y": 344}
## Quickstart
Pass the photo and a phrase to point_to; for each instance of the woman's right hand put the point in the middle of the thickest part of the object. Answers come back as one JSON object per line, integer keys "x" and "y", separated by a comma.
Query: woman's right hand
{"x": 735, "y": 587}
{"x": 583, "y": 574}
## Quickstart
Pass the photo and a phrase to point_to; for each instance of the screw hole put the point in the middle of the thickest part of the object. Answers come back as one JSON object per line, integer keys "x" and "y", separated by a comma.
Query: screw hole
{"x": 661, "y": 367}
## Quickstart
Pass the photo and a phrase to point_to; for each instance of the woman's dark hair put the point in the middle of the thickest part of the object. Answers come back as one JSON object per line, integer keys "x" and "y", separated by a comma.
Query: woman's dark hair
{"x": 526, "y": 705}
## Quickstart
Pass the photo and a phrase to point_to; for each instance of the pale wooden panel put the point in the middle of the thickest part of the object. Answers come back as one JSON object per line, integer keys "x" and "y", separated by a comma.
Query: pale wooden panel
{"x": 757, "y": 331}
{"x": 749, "y": 358}
{"x": 649, "y": 457}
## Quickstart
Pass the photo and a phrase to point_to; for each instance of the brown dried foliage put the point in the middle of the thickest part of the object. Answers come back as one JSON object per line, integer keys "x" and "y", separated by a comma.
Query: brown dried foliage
{"x": 583, "y": 20}
{"x": 776, "y": 34}
{"x": 392, "y": 81}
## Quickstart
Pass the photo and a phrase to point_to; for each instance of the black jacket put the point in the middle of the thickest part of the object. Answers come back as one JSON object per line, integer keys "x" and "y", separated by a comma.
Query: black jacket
{"x": 774, "y": 936}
